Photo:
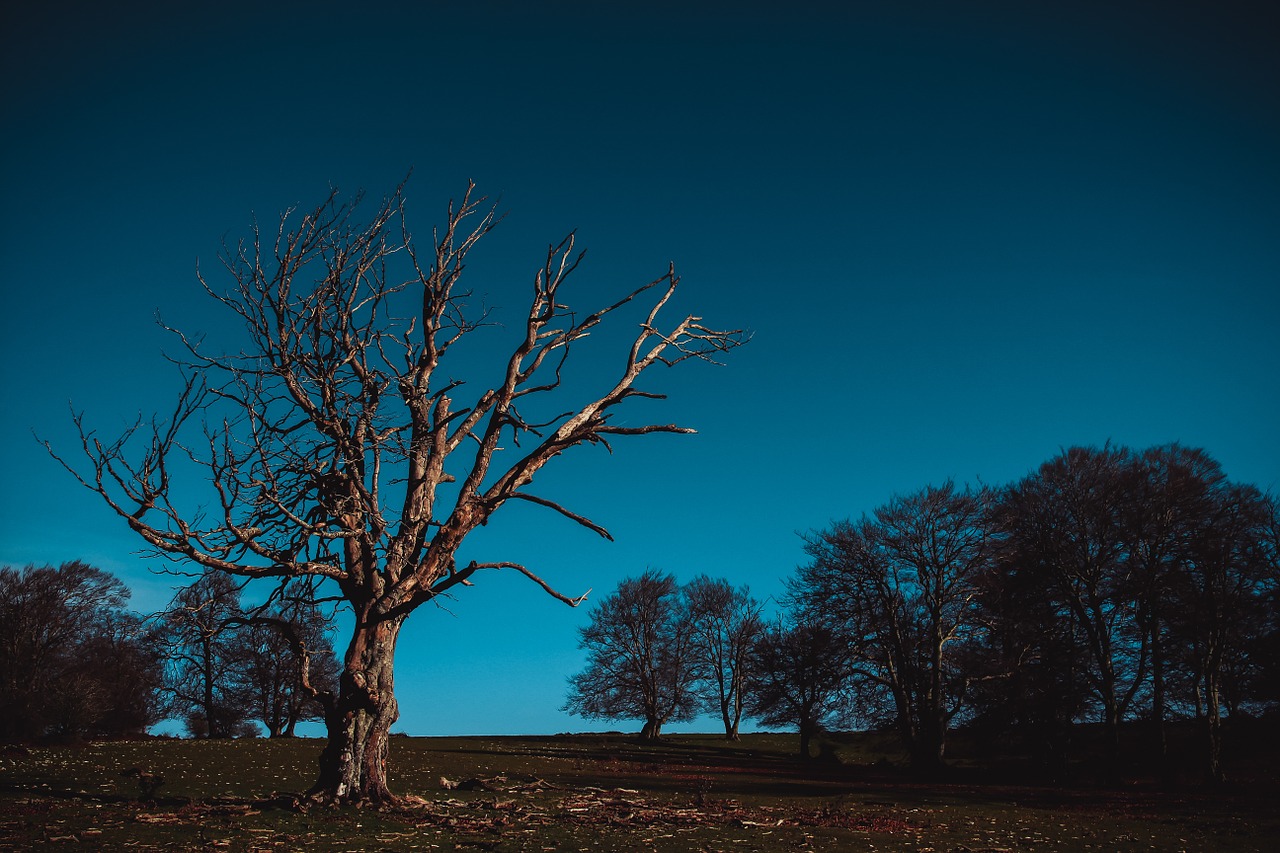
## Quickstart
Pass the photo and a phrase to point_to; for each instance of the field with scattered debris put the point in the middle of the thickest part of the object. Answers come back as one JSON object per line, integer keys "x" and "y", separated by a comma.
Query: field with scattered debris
{"x": 601, "y": 792}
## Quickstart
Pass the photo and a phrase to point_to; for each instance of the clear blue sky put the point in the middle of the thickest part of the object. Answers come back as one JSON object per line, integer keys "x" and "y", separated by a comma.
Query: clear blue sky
{"x": 965, "y": 235}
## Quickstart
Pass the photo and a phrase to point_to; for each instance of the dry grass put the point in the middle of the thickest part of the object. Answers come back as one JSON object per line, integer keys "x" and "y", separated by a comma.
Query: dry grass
{"x": 598, "y": 792}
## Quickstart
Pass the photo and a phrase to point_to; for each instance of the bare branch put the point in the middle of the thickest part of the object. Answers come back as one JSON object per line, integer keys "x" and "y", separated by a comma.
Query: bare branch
{"x": 324, "y": 440}
{"x": 462, "y": 578}
{"x": 585, "y": 522}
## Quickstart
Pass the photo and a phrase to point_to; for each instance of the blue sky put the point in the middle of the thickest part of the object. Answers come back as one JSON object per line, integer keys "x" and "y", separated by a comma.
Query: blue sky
{"x": 965, "y": 237}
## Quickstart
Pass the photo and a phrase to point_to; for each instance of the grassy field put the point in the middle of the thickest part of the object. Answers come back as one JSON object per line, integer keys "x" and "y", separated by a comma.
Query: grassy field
{"x": 603, "y": 792}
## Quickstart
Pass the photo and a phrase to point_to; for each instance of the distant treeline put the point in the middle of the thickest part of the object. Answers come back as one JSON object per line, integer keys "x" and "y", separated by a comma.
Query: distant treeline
{"x": 75, "y": 663}
{"x": 1109, "y": 585}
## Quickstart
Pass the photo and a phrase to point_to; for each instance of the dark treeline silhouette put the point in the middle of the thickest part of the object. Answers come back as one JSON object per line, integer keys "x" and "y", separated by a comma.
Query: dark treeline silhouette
{"x": 75, "y": 663}
{"x": 1112, "y": 587}
{"x": 1130, "y": 586}
{"x": 898, "y": 587}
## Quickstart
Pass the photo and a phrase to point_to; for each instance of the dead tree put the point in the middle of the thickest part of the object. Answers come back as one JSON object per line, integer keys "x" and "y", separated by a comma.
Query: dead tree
{"x": 334, "y": 443}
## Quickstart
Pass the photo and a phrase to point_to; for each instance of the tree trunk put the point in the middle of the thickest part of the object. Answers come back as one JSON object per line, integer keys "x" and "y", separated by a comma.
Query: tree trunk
{"x": 652, "y": 729}
{"x": 212, "y": 727}
{"x": 290, "y": 726}
{"x": 1111, "y": 718}
{"x": 1213, "y": 746}
{"x": 1158, "y": 704}
{"x": 1213, "y": 719}
{"x": 932, "y": 732}
{"x": 929, "y": 748}
{"x": 737, "y": 714}
{"x": 353, "y": 765}
{"x": 806, "y": 737}
{"x": 274, "y": 718}
{"x": 730, "y": 720}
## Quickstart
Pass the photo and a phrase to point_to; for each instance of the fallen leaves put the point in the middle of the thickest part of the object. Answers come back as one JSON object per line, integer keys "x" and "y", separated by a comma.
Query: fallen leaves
{"x": 527, "y": 796}
{"x": 619, "y": 808}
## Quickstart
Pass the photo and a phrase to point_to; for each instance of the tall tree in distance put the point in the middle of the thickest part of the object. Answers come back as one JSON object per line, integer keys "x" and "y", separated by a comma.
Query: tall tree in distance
{"x": 1174, "y": 491}
{"x": 1066, "y": 522}
{"x": 124, "y": 658}
{"x": 1264, "y": 685}
{"x": 338, "y": 444}
{"x": 1220, "y": 610}
{"x": 900, "y": 586}
{"x": 640, "y": 663}
{"x": 724, "y": 624}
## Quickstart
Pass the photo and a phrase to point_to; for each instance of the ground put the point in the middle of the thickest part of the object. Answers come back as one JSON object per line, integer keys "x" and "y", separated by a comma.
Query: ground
{"x": 602, "y": 792}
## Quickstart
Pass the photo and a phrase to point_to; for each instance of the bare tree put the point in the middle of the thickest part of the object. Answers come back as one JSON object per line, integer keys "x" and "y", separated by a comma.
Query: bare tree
{"x": 207, "y": 668}
{"x": 724, "y": 623}
{"x": 1174, "y": 489}
{"x": 802, "y": 678}
{"x": 270, "y": 643}
{"x": 1125, "y": 577}
{"x": 1066, "y": 521}
{"x": 640, "y": 661}
{"x": 336, "y": 448}
{"x": 1220, "y": 609}
{"x": 900, "y": 585}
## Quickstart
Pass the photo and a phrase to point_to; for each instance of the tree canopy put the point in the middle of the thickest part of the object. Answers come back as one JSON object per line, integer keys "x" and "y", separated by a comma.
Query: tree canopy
{"x": 74, "y": 662}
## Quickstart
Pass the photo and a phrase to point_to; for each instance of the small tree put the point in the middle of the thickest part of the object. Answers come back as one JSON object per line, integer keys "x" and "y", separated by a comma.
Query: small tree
{"x": 801, "y": 676}
{"x": 125, "y": 657}
{"x": 724, "y": 626}
{"x": 640, "y": 663}
{"x": 337, "y": 443}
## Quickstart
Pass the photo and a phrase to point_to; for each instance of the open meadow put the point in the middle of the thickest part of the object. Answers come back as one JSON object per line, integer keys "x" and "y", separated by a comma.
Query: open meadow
{"x": 605, "y": 792}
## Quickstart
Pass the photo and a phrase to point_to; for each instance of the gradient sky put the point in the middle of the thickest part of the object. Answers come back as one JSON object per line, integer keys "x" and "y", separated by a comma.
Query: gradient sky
{"x": 966, "y": 235}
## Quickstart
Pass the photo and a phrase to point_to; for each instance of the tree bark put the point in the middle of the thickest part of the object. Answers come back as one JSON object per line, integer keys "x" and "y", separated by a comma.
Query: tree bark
{"x": 1158, "y": 703}
{"x": 1213, "y": 719}
{"x": 211, "y": 722}
{"x": 353, "y": 765}
{"x": 730, "y": 720}
{"x": 929, "y": 748}
{"x": 807, "y": 730}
